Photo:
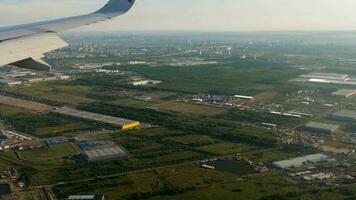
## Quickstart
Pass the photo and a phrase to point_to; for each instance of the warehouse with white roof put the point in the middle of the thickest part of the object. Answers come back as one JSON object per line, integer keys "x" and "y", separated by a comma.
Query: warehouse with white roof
{"x": 322, "y": 127}
{"x": 301, "y": 161}
{"x": 103, "y": 153}
{"x": 346, "y": 115}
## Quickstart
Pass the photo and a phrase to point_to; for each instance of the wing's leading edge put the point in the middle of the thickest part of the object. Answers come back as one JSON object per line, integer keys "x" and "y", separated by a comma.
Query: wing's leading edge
{"x": 31, "y": 34}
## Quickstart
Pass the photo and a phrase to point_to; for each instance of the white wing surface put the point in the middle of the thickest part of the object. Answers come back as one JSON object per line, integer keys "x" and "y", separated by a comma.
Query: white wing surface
{"x": 24, "y": 45}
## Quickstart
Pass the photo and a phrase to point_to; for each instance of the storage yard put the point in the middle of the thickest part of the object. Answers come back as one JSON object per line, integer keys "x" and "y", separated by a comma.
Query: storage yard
{"x": 117, "y": 122}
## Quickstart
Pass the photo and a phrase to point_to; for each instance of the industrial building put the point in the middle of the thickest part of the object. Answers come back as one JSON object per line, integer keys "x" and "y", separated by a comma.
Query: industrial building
{"x": 269, "y": 125}
{"x": 244, "y": 97}
{"x": 346, "y": 115}
{"x": 322, "y": 127}
{"x": 145, "y": 82}
{"x": 344, "y": 93}
{"x": 10, "y": 83}
{"x": 103, "y": 153}
{"x": 329, "y": 81}
{"x": 117, "y": 122}
{"x": 143, "y": 98}
{"x": 301, "y": 161}
{"x": 327, "y": 76}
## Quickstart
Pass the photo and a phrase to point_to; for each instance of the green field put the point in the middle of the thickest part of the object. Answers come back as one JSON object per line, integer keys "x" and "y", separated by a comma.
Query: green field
{"x": 54, "y": 93}
{"x": 218, "y": 79}
{"x": 40, "y": 125}
{"x": 197, "y": 183}
{"x": 186, "y": 108}
{"x": 165, "y": 153}
{"x": 62, "y": 129}
{"x": 226, "y": 148}
{"x": 156, "y": 132}
{"x": 172, "y": 106}
{"x": 195, "y": 140}
{"x": 50, "y": 153}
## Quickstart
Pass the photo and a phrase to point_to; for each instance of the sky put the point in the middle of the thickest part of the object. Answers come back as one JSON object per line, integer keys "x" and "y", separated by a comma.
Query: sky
{"x": 195, "y": 15}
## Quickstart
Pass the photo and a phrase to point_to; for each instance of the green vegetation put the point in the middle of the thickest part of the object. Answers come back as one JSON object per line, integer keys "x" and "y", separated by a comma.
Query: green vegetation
{"x": 226, "y": 148}
{"x": 217, "y": 79}
{"x": 163, "y": 153}
{"x": 253, "y": 117}
{"x": 193, "y": 140}
{"x": 41, "y": 125}
{"x": 50, "y": 153}
{"x": 53, "y": 93}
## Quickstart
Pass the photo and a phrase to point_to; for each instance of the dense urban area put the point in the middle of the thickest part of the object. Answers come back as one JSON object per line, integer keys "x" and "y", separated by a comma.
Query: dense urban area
{"x": 264, "y": 116}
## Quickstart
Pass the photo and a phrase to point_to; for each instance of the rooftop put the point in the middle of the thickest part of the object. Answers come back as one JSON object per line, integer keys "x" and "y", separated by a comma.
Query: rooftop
{"x": 345, "y": 114}
{"x": 344, "y": 92}
{"x": 81, "y": 197}
{"x": 94, "y": 116}
{"x": 328, "y": 74}
{"x": 104, "y": 153}
{"x": 300, "y": 161}
{"x": 322, "y": 126}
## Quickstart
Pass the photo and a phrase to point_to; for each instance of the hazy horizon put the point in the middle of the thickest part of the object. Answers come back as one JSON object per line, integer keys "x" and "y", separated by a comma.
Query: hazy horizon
{"x": 196, "y": 15}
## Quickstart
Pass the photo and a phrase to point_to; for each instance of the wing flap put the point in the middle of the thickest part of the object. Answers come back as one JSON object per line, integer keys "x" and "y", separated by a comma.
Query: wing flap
{"x": 23, "y": 45}
{"x": 30, "y": 63}
{"x": 32, "y": 46}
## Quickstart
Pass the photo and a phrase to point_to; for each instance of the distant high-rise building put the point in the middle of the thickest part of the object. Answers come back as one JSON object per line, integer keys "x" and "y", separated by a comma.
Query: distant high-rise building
{"x": 229, "y": 51}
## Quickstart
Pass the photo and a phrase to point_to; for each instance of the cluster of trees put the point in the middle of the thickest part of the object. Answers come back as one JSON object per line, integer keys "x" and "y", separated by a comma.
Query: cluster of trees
{"x": 190, "y": 124}
{"x": 259, "y": 117}
{"x": 167, "y": 190}
{"x": 66, "y": 190}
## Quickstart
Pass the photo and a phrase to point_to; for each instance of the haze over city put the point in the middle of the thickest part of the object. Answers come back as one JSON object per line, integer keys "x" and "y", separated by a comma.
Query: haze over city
{"x": 200, "y": 15}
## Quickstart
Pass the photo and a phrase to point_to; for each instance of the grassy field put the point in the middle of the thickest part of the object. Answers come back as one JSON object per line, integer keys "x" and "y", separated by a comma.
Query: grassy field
{"x": 57, "y": 93}
{"x": 156, "y": 132}
{"x": 40, "y": 125}
{"x": 172, "y": 106}
{"x": 186, "y": 108}
{"x": 195, "y": 140}
{"x": 24, "y": 104}
{"x": 150, "y": 183}
{"x": 197, "y": 183}
{"x": 62, "y": 129}
{"x": 53, "y": 152}
{"x": 221, "y": 79}
{"x": 226, "y": 148}
{"x": 169, "y": 157}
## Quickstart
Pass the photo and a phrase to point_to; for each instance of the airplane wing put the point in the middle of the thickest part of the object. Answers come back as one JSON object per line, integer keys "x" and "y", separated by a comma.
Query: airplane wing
{"x": 25, "y": 45}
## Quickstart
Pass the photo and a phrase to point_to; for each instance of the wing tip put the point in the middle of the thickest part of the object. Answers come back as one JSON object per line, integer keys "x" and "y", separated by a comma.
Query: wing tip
{"x": 116, "y": 7}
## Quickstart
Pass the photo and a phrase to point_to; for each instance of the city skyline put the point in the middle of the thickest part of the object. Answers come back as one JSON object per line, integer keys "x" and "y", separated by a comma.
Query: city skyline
{"x": 197, "y": 15}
